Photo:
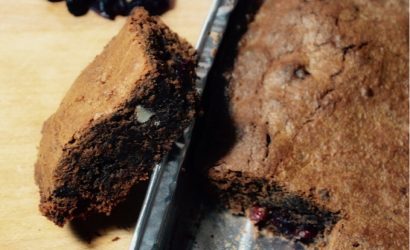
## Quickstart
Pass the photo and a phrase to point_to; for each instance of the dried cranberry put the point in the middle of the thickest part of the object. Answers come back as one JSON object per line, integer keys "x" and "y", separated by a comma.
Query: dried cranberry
{"x": 258, "y": 214}
{"x": 305, "y": 235}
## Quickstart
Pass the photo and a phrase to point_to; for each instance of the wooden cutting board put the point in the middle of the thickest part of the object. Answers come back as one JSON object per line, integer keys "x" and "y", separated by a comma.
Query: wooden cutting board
{"x": 42, "y": 50}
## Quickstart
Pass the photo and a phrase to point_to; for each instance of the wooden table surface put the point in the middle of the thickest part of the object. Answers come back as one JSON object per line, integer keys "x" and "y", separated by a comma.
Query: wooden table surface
{"x": 42, "y": 50}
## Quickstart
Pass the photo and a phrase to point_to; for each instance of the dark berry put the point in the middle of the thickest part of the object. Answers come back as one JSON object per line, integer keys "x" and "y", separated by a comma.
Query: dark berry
{"x": 78, "y": 7}
{"x": 105, "y": 8}
{"x": 258, "y": 214}
{"x": 155, "y": 7}
{"x": 120, "y": 7}
{"x": 112, "y": 8}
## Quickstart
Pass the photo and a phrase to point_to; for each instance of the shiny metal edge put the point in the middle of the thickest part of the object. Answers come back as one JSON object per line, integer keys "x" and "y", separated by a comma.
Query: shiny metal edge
{"x": 154, "y": 217}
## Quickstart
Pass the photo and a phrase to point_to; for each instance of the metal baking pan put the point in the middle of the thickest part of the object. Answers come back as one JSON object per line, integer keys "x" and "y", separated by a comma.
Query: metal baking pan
{"x": 175, "y": 214}
{"x": 155, "y": 218}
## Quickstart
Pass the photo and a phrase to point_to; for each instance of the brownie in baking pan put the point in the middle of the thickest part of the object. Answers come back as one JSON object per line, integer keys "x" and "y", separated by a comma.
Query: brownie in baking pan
{"x": 312, "y": 143}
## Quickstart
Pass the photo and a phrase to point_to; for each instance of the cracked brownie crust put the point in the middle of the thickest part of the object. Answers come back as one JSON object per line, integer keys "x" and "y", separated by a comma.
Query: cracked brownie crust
{"x": 119, "y": 118}
{"x": 318, "y": 100}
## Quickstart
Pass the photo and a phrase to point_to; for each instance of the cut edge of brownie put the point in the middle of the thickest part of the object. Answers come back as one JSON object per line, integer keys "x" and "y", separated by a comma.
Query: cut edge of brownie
{"x": 270, "y": 207}
{"x": 99, "y": 167}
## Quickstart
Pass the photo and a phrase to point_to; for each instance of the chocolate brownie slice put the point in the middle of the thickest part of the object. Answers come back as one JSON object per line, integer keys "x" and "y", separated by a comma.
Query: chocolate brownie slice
{"x": 317, "y": 116}
{"x": 118, "y": 119}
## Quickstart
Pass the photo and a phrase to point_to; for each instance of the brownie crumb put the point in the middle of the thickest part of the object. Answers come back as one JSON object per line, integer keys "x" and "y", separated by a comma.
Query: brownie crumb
{"x": 115, "y": 238}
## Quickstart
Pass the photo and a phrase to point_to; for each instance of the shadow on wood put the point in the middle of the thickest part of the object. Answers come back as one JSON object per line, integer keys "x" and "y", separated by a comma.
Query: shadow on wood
{"x": 124, "y": 216}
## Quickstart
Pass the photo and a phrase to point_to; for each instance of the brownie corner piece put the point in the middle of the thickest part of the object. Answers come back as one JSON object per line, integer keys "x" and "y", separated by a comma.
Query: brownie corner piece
{"x": 119, "y": 118}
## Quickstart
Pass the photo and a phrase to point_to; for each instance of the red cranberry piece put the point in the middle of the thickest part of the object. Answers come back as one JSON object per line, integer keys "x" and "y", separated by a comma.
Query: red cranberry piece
{"x": 258, "y": 214}
{"x": 306, "y": 234}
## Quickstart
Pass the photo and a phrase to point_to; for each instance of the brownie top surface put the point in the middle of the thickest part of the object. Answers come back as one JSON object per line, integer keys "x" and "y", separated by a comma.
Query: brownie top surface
{"x": 318, "y": 98}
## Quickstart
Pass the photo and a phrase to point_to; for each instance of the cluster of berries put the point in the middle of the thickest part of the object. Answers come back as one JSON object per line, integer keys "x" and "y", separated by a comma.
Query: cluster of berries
{"x": 111, "y": 8}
